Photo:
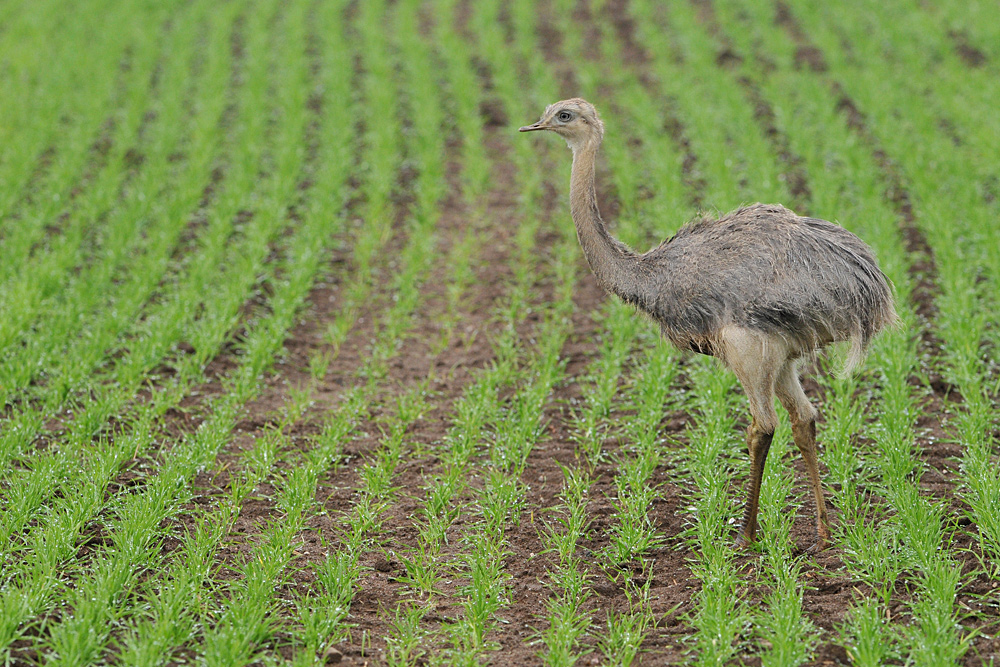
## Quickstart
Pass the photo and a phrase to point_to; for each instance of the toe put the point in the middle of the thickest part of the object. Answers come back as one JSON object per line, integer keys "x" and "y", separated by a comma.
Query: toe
{"x": 817, "y": 546}
{"x": 743, "y": 541}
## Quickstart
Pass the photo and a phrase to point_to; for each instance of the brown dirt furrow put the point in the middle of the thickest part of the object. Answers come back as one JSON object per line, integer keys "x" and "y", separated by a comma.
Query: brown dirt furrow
{"x": 98, "y": 152}
{"x": 948, "y": 128}
{"x": 199, "y": 219}
{"x": 635, "y": 56}
{"x": 616, "y": 14}
{"x": 695, "y": 183}
{"x": 292, "y": 366}
{"x": 226, "y": 360}
{"x": 970, "y": 55}
{"x": 582, "y": 16}
{"x": 671, "y": 585}
{"x": 263, "y": 413}
{"x": 463, "y": 13}
{"x": 177, "y": 423}
{"x": 327, "y": 296}
{"x": 794, "y": 173}
{"x": 807, "y": 55}
{"x": 134, "y": 157}
{"x": 26, "y": 197}
{"x": 729, "y": 58}
{"x": 550, "y": 41}
{"x": 491, "y": 107}
{"x": 184, "y": 419}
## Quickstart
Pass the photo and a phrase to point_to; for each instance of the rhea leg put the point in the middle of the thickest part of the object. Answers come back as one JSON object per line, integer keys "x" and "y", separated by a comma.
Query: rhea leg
{"x": 758, "y": 444}
{"x": 756, "y": 359}
{"x": 803, "y": 416}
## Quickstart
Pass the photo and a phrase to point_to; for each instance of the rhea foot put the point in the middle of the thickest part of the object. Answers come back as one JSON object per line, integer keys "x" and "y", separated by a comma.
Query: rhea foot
{"x": 822, "y": 540}
{"x": 743, "y": 541}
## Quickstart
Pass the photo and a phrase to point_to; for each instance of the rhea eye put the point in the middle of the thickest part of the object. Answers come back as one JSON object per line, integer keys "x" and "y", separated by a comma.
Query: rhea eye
{"x": 564, "y": 116}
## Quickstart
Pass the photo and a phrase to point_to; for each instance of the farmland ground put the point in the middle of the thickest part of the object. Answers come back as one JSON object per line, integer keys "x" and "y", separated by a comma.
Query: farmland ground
{"x": 302, "y": 364}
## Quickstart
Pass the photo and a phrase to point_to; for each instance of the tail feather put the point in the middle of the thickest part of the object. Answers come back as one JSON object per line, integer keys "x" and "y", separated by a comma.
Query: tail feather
{"x": 856, "y": 351}
{"x": 860, "y": 339}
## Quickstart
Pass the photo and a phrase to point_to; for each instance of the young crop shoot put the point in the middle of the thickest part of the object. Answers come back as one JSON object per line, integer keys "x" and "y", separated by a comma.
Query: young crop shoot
{"x": 626, "y": 631}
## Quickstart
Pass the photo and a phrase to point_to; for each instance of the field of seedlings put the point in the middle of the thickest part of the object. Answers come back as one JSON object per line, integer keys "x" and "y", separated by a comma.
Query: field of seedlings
{"x": 301, "y": 361}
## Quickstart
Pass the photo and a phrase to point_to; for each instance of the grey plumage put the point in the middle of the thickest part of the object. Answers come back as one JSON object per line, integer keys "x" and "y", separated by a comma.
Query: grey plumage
{"x": 759, "y": 288}
{"x": 763, "y": 267}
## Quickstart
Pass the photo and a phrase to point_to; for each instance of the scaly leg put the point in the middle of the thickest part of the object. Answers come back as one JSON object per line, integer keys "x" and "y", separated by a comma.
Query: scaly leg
{"x": 803, "y": 415}
{"x": 758, "y": 444}
{"x": 805, "y": 440}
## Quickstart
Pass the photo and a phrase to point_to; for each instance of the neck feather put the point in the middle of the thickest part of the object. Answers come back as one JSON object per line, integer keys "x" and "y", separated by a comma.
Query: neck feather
{"x": 614, "y": 264}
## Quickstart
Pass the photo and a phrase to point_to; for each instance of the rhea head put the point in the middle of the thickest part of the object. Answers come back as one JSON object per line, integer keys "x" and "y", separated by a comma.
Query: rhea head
{"x": 575, "y": 120}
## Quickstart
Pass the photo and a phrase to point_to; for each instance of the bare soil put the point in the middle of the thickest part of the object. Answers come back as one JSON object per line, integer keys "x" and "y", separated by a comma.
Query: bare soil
{"x": 970, "y": 55}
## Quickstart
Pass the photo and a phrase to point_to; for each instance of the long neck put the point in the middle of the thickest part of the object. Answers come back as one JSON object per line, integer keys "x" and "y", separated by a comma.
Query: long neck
{"x": 614, "y": 264}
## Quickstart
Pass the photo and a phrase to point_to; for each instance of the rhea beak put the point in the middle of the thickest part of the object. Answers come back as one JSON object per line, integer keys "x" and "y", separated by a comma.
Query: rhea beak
{"x": 533, "y": 127}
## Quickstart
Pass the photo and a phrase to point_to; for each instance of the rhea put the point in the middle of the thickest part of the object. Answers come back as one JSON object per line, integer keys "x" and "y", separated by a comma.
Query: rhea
{"x": 760, "y": 289}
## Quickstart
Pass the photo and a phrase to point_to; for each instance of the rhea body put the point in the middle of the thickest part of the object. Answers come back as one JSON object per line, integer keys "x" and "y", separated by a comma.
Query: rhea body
{"x": 760, "y": 288}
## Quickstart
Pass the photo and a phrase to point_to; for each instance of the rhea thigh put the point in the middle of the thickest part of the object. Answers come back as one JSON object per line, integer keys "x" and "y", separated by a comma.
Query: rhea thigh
{"x": 757, "y": 360}
{"x": 789, "y": 390}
